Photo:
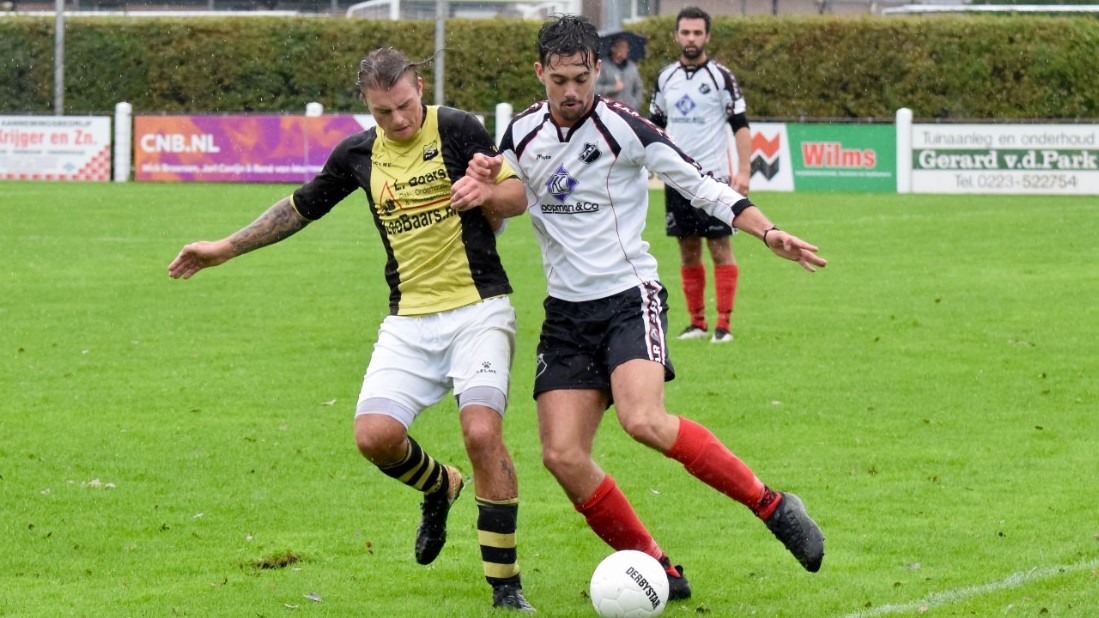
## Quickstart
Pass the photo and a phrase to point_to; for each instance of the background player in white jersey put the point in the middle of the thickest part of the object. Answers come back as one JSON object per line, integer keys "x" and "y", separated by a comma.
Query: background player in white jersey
{"x": 694, "y": 98}
{"x": 583, "y": 160}
{"x": 451, "y": 326}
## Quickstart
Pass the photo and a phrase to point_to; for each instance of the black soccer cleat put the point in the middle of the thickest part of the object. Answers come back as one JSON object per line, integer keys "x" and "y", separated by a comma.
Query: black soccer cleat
{"x": 679, "y": 589}
{"x": 722, "y": 335}
{"x": 431, "y": 535}
{"x": 693, "y": 332}
{"x": 791, "y": 524}
{"x": 510, "y": 596}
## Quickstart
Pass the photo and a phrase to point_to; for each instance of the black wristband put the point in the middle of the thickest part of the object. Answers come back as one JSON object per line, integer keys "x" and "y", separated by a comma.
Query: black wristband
{"x": 767, "y": 231}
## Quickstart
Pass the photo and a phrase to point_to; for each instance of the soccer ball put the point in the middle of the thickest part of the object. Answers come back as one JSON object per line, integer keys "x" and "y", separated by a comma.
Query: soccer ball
{"x": 629, "y": 584}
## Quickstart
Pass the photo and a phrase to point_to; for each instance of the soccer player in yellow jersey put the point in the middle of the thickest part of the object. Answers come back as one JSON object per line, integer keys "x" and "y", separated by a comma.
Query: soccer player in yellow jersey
{"x": 451, "y": 326}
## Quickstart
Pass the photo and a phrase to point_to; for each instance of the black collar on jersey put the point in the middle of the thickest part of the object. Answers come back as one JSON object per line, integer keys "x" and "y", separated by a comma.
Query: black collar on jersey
{"x": 691, "y": 69}
{"x": 579, "y": 121}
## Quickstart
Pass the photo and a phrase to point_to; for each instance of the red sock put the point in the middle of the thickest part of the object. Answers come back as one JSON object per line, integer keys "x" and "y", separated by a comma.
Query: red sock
{"x": 725, "y": 277}
{"x": 694, "y": 289}
{"x": 612, "y": 518}
{"x": 704, "y": 456}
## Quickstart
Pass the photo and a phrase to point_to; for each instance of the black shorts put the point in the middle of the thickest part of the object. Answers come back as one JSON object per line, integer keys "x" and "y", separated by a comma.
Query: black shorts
{"x": 583, "y": 342}
{"x": 684, "y": 221}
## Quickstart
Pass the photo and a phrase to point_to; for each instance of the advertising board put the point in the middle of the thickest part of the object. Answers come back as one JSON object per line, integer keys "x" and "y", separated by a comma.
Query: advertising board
{"x": 55, "y": 148}
{"x": 1053, "y": 159}
{"x": 238, "y": 148}
{"x": 844, "y": 157}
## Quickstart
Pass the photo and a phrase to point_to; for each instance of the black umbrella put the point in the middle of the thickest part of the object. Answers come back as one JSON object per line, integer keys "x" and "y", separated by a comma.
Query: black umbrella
{"x": 637, "y": 43}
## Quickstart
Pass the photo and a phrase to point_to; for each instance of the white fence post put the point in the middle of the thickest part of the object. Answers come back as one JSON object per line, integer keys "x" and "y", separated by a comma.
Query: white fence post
{"x": 314, "y": 109}
{"x": 503, "y": 118}
{"x": 904, "y": 150}
{"x": 123, "y": 141}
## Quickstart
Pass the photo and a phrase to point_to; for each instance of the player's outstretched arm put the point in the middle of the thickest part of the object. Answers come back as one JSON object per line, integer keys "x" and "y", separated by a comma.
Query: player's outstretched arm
{"x": 278, "y": 222}
{"x": 785, "y": 245}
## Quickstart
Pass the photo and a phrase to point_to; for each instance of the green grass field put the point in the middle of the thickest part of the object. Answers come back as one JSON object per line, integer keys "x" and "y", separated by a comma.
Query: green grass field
{"x": 184, "y": 448}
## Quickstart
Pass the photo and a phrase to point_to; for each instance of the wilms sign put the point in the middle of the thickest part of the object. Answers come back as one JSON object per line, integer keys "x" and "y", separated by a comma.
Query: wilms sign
{"x": 844, "y": 157}
{"x": 823, "y": 157}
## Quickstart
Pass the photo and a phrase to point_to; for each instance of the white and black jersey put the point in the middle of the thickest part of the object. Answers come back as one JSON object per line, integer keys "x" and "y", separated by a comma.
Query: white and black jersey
{"x": 587, "y": 194}
{"x": 693, "y": 103}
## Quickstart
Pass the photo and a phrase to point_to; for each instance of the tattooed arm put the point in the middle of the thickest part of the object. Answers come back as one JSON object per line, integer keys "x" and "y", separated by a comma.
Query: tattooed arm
{"x": 279, "y": 222}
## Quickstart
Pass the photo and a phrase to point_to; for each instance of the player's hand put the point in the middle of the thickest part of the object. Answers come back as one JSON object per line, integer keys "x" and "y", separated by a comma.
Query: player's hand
{"x": 469, "y": 192}
{"x": 198, "y": 255}
{"x": 484, "y": 167}
{"x": 739, "y": 184}
{"x": 795, "y": 249}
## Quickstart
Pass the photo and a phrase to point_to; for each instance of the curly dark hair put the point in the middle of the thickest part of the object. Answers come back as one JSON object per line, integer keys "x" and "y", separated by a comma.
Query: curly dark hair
{"x": 567, "y": 35}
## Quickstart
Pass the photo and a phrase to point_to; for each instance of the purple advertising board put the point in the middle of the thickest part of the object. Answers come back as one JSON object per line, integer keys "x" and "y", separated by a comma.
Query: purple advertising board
{"x": 238, "y": 148}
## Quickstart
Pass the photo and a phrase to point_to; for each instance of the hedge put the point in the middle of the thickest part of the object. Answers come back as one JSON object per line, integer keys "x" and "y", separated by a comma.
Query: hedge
{"x": 943, "y": 67}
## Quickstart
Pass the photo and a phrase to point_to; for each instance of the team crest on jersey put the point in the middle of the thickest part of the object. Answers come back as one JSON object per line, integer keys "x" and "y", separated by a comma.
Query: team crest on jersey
{"x": 590, "y": 153}
{"x": 704, "y": 88}
{"x": 685, "y": 105}
{"x": 560, "y": 184}
{"x": 431, "y": 151}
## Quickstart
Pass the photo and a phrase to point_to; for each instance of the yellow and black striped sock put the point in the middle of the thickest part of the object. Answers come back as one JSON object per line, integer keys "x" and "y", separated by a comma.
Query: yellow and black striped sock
{"x": 496, "y": 521}
{"x": 418, "y": 470}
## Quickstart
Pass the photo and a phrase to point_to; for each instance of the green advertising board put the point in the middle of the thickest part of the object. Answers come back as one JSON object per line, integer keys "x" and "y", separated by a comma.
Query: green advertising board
{"x": 843, "y": 157}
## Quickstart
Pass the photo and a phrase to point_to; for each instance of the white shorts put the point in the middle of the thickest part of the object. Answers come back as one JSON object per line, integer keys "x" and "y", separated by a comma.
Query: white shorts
{"x": 418, "y": 359}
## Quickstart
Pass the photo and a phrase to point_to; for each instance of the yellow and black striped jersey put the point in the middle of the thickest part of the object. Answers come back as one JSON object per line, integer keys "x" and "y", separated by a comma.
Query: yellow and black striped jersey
{"x": 437, "y": 259}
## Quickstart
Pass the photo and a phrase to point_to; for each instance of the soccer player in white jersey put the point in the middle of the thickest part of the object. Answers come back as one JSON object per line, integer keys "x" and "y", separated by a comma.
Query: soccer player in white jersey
{"x": 583, "y": 160}
{"x": 694, "y": 98}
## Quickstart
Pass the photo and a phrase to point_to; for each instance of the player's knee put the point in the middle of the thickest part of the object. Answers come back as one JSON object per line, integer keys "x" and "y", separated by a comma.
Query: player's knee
{"x": 561, "y": 461}
{"x": 482, "y": 438}
{"x": 380, "y": 444}
{"x": 692, "y": 261}
{"x": 645, "y": 428}
{"x": 482, "y": 423}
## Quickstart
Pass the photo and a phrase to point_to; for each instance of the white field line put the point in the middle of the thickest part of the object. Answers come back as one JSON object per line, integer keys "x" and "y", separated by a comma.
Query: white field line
{"x": 950, "y": 596}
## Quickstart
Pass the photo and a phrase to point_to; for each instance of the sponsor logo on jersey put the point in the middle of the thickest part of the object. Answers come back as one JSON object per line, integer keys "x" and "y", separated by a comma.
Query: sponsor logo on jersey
{"x": 578, "y": 208}
{"x": 486, "y": 367}
{"x": 423, "y": 179}
{"x": 685, "y": 105}
{"x": 431, "y": 151}
{"x": 407, "y": 223}
{"x": 561, "y": 184}
{"x": 591, "y": 153}
{"x": 436, "y": 175}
